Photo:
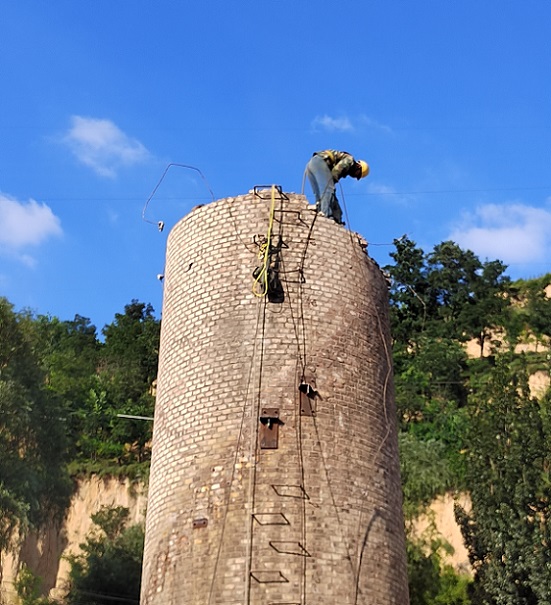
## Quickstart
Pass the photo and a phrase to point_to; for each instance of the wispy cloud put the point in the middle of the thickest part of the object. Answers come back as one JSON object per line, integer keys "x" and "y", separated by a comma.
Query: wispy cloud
{"x": 112, "y": 216}
{"x": 325, "y": 122}
{"x": 513, "y": 233}
{"x": 344, "y": 123}
{"x": 24, "y": 225}
{"x": 390, "y": 194}
{"x": 375, "y": 124}
{"x": 381, "y": 189}
{"x": 103, "y": 146}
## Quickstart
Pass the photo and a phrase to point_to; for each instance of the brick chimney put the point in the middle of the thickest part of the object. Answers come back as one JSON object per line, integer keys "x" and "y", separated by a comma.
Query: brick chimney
{"x": 275, "y": 474}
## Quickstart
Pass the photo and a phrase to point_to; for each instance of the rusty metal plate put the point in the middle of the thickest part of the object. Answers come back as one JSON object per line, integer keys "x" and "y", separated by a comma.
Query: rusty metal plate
{"x": 269, "y": 428}
{"x": 199, "y": 523}
{"x": 267, "y": 413}
{"x": 305, "y": 405}
{"x": 269, "y": 435}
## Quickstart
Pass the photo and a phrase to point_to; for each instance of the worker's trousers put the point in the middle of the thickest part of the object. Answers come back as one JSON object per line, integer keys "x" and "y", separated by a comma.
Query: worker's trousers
{"x": 323, "y": 186}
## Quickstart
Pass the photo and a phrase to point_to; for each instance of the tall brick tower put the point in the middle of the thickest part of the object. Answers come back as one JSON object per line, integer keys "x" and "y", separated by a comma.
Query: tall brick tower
{"x": 275, "y": 476}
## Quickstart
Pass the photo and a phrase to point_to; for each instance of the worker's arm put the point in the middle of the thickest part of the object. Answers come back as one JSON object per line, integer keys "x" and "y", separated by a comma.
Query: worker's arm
{"x": 344, "y": 162}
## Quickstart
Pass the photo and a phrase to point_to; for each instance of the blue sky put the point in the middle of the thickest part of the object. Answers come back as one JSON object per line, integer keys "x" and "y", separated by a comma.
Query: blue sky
{"x": 449, "y": 102}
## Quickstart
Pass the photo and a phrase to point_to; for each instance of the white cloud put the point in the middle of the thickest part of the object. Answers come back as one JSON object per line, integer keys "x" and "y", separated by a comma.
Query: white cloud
{"x": 376, "y": 125}
{"x": 28, "y": 260}
{"x": 345, "y": 124}
{"x": 381, "y": 189}
{"x": 25, "y": 224}
{"x": 325, "y": 122}
{"x": 112, "y": 216}
{"x": 103, "y": 146}
{"x": 513, "y": 233}
{"x": 389, "y": 194}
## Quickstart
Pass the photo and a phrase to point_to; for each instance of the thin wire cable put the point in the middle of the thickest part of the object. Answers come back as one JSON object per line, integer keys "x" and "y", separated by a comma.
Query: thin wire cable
{"x": 301, "y": 366}
{"x": 236, "y": 455}
{"x": 333, "y": 500}
{"x": 386, "y": 381}
{"x": 301, "y": 334}
{"x": 386, "y": 435}
{"x": 253, "y": 454}
{"x": 161, "y": 180}
{"x": 246, "y": 245}
{"x": 138, "y": 197}
{"x": 302, "y": 359}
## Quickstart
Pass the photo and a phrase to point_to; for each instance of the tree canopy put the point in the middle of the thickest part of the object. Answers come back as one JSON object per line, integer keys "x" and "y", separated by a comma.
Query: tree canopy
{"x": 508, "y": 530}
{"x": 61, "y": 390}
{"x": 448, "y": 293}
{"x": 464, "y": 424}
{"x": 108, "y": 570}
{"x": 34, "y": 484}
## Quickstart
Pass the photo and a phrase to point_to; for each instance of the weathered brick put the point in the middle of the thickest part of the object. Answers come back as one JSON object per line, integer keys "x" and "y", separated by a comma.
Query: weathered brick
{"x": 225, "y": 353}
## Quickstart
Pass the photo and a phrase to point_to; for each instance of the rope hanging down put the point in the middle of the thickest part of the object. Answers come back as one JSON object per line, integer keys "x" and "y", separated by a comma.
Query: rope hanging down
{"x": 261, "y": 275}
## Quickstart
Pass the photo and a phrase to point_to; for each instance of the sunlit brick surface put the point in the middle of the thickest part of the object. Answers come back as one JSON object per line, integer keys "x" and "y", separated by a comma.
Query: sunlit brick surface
{"x": 318, "y": 520}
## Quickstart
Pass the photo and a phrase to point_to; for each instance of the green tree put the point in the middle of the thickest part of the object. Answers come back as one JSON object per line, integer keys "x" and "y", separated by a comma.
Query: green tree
{"x": 538, "y": 308}
{"x": 34, "y": 484}
{"x": 127, "y": 376}
{"x": 508, "y": 530}
{"x": 412, "y": 303}
{"x": 431, "y": 581}
{"x": 28, "y": 588}
{"x": 69, "y": 355}
{"x": 431, "y": 391}
{"x": 122, "y": 382}
{"x": 108, "y": 572}
{"x": 471, "y": 295}
{"x": 425, "y": 473}
{"x": 448, "y": 293}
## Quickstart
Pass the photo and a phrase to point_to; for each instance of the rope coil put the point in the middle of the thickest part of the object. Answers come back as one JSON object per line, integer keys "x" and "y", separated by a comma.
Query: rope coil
{"x": 261, "y": 277}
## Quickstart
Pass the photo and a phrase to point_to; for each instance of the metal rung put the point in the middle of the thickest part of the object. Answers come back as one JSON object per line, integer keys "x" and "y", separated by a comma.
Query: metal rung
{"x": 297, "y": 212}
{"x": 289, "y": 548}
{"x": 290, "y": 491}
{"x": 260, "y": 191}
{"x": 269, "y": 577}
{"x": 271, "y": 519}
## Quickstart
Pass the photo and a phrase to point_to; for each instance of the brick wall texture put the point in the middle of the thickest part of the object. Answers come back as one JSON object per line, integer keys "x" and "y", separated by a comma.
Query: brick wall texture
{"x": 316, "y": 520}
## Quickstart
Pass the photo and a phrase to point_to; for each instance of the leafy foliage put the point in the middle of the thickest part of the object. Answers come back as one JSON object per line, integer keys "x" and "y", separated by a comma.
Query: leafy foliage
{"x": 61, "y": 391}
{"x": 129, "y": 361}
{"x": 68, "y": 352}
{"x": 508, "y": 531}
{"x": 431, "y": 581}
{"x": 448, "y": 293}
{"x": 33, "y": 480}
{"x": 28, "y": 588}
{"x": 470, "y": 424}
{"x": 464, "y": 424}
{"x": 109, "y": 569}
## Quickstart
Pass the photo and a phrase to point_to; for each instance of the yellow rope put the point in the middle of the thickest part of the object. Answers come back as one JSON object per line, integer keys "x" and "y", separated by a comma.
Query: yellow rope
{"x": 264, "y": 254}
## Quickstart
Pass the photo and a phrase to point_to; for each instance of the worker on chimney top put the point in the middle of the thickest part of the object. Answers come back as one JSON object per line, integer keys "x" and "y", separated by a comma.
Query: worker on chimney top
{"x": 324, "y": 169}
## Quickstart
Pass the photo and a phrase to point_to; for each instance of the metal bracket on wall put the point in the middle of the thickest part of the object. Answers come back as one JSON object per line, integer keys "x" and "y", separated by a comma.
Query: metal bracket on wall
{"x": 290, "y": 491}
{"x": 289, "y": 548}
{"x": 264, "y": 192}
{"x": 199, "y": 523}
{"x": 269, "y": 577}
{"x": 271, "y": 519}
{"x": 269, "y": 428}
{"x": 307, "y": 398}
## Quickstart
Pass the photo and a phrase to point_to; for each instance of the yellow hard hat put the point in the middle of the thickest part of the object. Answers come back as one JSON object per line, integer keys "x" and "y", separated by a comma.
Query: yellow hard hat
{"x": 365, "y": 168}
